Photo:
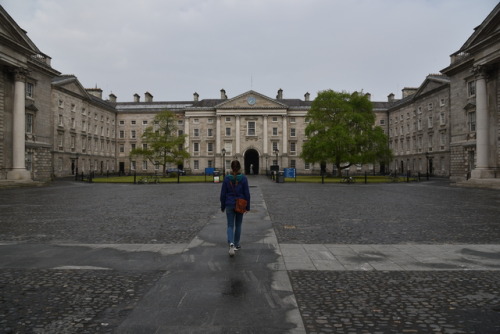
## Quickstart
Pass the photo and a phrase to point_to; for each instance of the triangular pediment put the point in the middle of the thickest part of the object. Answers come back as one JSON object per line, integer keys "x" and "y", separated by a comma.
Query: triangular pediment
{"x": 488, "y": 31}
{"x": 251, "y": 100}
{"x": 14, "y": 36}
{"x": 432, "y": 82}
{"x": 71, "y": 84}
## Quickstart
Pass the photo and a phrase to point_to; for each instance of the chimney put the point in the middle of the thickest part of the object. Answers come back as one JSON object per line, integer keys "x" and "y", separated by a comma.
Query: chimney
{"x": 407, "y": 91}
{"x": 112, "y": 97}
{"x": 97, "y": 92}
{"x": 280, "y": 94}
{"x": 148, "y": 97}
{"x": 306, "y": 96}
{"x": 368, "y": 96}
{"x": 223, "y": 95}
{"x": 390, "y": 97}
{"x": 137, "y": 98}
{"x": 196, "y": 97}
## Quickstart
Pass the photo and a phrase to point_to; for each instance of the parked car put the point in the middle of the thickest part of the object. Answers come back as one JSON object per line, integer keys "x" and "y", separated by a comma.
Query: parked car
{"x": 176, "y": 170}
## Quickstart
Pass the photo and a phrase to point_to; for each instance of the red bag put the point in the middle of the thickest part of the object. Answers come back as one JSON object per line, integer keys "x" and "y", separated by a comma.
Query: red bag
{"x": 241, "y": 205}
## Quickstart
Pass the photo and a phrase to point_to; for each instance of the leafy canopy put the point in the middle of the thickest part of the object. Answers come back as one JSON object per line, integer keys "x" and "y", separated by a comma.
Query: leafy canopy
{"x": 164, "y": 145}
{"x": 341, "y": 131}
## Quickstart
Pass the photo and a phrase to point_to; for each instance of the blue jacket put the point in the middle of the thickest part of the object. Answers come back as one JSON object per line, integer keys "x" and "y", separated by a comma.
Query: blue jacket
{"x": 230, "y": 191}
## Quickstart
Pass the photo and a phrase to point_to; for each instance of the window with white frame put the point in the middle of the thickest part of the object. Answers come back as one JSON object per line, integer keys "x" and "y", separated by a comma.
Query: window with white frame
{"x": 471, "y": 88}
{"x": 196, "y": 121}
{"x": 293, "y": 146}
{"x": 61, "y": 120}
{"x": 210, "y": 147}
{"x": 196, "y": 164}
{"x": 275, "y": 119}
{"x": 132, "y": 134}
{"x": 275, "y": 146}
{"x": 307, "y": 165}
{"x": 122, "y": 148}
{"x": 210, "y": 132}
{"x": 292, "y": 132}
{"x": 471, "y": 119}
{"x": 228, "y": 119}
{"x": 292, "y": 119}
{"x": 228, "y": 132}
{"x": 121, "y": 134}
{"x": 293, "y": 163}
{"x": 29, "y": 122}
{"x": 30, "y": 90}
{"x": 133, "y": 122}
{"x": 132, "y": 165}
{"x": 442, "y": 119}
{"x": 429, "y": 122}
{"x": 121, "y": 122}
{"x": 430, "y": 106}
{"x": 144, "y": 122}
{"x": 210, "y": 121}
{"x": 210, "y": 163}
{"x": 73, "y": 107}
{"x": 251, "y": 128}
{"x": 144, "y": 165}
{"x": 196, "y": 132}
{"x": 196, "y": 147}
{"x": 144, "y": 146}
{"x": 275, "y": 131}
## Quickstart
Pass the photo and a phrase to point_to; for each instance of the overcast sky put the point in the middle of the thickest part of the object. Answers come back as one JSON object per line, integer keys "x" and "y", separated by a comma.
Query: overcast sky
{"x": 173, "y": 48}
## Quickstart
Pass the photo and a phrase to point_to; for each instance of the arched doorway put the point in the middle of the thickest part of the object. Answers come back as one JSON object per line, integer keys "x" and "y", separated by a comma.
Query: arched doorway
{"x": 251, "y": 162}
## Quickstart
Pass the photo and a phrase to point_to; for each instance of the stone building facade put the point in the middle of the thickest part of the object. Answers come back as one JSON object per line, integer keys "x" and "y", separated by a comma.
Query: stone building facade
{"x": 474, "y": 74}
{"x": 419, "y": 134}
{"x": 84, "y": 129}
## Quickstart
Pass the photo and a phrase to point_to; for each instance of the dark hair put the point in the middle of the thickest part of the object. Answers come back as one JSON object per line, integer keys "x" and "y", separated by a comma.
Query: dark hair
{"x": 235, "y": 166}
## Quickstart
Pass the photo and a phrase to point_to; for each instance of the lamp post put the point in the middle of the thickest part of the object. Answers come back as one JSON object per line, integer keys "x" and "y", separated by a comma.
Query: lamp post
{"x": 427, "y": 160}
{"x": 276, "y": 151}
{"x": 223, "y": 162}
{"x": 76, "y": 170}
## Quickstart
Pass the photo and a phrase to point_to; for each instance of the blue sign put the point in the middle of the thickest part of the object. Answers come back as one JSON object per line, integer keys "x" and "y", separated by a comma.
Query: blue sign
{"x": 289, "y": 172}
{"x": 209, "y": 171}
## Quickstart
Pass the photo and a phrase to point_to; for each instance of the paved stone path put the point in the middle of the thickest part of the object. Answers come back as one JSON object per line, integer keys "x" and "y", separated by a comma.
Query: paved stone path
{"x": 173, "y": 275}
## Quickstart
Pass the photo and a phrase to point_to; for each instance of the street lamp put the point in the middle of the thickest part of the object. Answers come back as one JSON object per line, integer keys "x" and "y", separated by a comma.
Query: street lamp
{"x": 277, "y": 151}
{"x": 427, "y": 159}
{"x": 76, "y": 173}
{"x": 223, "y": 162}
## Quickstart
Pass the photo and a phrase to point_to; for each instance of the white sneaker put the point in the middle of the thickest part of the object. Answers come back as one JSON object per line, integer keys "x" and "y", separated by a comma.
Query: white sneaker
{"x": 231, "y": 250}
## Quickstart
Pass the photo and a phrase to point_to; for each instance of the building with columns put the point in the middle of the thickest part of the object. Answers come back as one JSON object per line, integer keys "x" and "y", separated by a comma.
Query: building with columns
{"x": 474, "y": 74}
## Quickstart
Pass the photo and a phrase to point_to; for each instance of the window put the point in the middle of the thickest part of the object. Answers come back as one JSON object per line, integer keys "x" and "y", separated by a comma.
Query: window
{"x": 61, "y": 120}
{"x": 144, "y": 146}
{"x": 228, "y": 132}
{"x": 73, "y": 107}
{"x": 122, "y": 134}
{"x": 275, "y": 131}
{"x": 210, "y": 147}
{"x": 430, "y": 106}
{"x": 132, "y": 146}
{"x": 292, "y": 132}
{"x": 471, "y": 88}
{"x": 196, "y": 121}
{"x": 133, "y": 122}
{"x": 180, "y": 133}
{"x": 442, "y": 102}
{"x": 122, "y": 148}
{"x": 275, "y": 119}
{"x": 429, "y": 122}
{"x": 293, "y": 163}
{"x": 144, "y": 165}
{"x": 60, "y": 104}
{"x": 144, "y": 122}
{"x": 228, "y": 146}
{"x": 293, "y": 147}
{"x": 292, "y": 119}
{"x": 196, "y": 147}
{"x": 83, "y": 111}
{"x": 442, "y": 119}
{"x": 275, "y": 146}
{"x": 196, "y": 132}
{"x": 122, "y": 122}
{"x": 132, "y": 134}
{"x": 472, "y": 121}
{"x": 419, "y": 124}
{"x": 29, "y": 123}
{"x": 307, "y": 165}
{"x": 30, "y": 89}
{"x": 228, "y": 119}
{"x": 210, "y": 132}
{"x": 196, "y": 164}
{"x": 72, "y": 142}
{"x": 210, "y": 121}
{"x": 210, "y": 163}
{"x": 251, "y": 128}
{"x": 73, "y": 123}
{"x": 132, "y": 165}
{"x": 382, "y": 122}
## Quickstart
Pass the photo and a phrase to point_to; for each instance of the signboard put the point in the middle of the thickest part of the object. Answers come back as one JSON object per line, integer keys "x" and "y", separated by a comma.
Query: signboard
{"x": 209, "y": 171}
{"x": 289, "y": 172}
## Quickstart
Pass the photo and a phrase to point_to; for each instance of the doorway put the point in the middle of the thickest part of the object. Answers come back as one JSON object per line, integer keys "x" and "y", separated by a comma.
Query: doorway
{"x": 251, "y": 162}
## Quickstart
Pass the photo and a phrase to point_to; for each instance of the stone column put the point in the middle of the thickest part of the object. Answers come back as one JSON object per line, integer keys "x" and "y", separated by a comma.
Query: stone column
{"x": 285, "y": 136}
{"x": 18, "y": 171}
{"x": 217, "y": 136}
{"x": 238, "y": 139}
{"x": 483, "y": 168}
{"x": 264, "y": 144}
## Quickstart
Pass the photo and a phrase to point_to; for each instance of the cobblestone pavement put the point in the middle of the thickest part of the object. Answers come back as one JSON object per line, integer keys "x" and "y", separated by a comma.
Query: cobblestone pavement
{"x": 37, "y": 296}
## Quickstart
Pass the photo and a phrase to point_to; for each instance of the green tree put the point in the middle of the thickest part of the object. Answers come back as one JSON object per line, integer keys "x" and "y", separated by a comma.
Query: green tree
{"x": 341, "y": 131}
{"x": 163, "y": 144}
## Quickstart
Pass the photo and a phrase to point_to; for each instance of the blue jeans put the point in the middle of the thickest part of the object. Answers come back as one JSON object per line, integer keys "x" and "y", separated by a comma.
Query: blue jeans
{"x": 234, "y": 221}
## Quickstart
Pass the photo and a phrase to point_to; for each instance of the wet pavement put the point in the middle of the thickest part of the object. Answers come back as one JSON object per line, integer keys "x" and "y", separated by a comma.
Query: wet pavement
{"x": 391, "y": 258}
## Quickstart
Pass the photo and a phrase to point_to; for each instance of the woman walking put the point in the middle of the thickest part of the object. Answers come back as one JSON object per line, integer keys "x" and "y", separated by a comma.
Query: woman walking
{"x": 235, "y": 186}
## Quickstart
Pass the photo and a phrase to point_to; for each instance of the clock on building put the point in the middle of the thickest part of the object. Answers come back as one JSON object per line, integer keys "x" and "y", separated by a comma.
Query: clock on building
{"x": 251, "y": 100}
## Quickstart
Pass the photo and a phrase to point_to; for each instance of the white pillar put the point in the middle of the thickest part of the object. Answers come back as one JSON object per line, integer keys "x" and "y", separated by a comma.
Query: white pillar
{"x": 285, "y": 136}
{"x": 483, "y": 168}
{"x": 19, "y": 171}
{"x": 238, "y": 139}
{"x": 217, "y": 136}
{"x": 265, "y": 144}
